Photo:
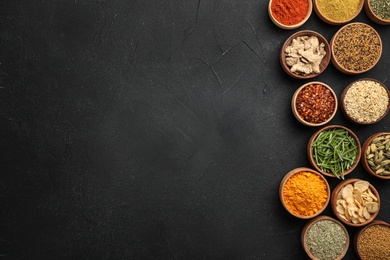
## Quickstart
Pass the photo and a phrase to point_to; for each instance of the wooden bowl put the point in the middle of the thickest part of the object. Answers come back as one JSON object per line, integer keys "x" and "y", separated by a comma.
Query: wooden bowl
{"x": 324, "y": 62}
{"x": 365, "y": 159}
{"x": 310, "y": 153}
{"x": 372, "y": 15}
{"x": 352, "y": 58}
{"x": 370, "y": 106}
{"x": 310, "y": 223}
{"x": 336, "y": 196}
{"x": 292, "y": 26}
{"x": 297, "y": 107}
{"x": 288, "y": 176}
{"x": 379, "y": 253}
{"x": 332, "y": 21}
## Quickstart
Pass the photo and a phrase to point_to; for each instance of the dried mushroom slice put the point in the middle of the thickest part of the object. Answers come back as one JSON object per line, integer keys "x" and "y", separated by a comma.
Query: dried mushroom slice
{"x": 361, "y": 185}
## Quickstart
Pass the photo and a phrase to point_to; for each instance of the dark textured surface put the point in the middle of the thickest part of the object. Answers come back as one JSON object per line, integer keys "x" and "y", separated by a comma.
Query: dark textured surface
{"x": 153, "y": 130}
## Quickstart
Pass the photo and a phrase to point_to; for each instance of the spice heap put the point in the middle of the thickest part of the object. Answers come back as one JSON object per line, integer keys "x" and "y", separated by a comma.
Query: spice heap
{"x": 305, "y": 193}
{"x": 366, "y": 101}
{"x": 373, "y": 243}
{"x": 381, "y": 8}
{"x": 304, "y": 55}
{"x": 326, "y": 239}
{"x": 338, "y": 10}
{"x": 378, "y": 155}
{"x": 356, "y": 203}
{"x": 315, "y": 103}
{"x": 289, "y": 12}
{"x": 357, "y": 47}
{"x": 334, "y": 151}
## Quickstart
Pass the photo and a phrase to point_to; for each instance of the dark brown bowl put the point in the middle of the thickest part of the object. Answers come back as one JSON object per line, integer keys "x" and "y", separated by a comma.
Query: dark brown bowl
{"x": 371, "y": 14}
{"x": 285, "y": 179}
{"x": 324, "y": 62}
{"x": 360, "y": 51}
{"x": 310, "y": 150}
{"x": 307, "y": 227}
{"x": 359, "y": 235}
{"x": 362, "y": 99}
{"x": 336, "y": 196}
{"x": 331, "y": 21}
{"x": 289, "y": 27}
{"x": 295, "y": 110}
{"x": 365, "y": 153}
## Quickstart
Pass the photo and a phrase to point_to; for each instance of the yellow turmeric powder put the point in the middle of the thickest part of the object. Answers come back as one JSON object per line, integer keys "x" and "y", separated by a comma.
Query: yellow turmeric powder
{"x": 305, "y": 193}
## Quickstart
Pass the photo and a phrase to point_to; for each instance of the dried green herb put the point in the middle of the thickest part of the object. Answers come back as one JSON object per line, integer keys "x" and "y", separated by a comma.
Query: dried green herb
{"x": 326, "y": 239}
{"x": 381, "y": 8}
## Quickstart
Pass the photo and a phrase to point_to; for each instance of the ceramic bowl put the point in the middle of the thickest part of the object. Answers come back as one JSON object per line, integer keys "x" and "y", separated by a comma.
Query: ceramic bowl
{"x": 288, "y": 176}
{"x": 292, "y": 26}
{"x": 332, "y": 21}
{"x": 324, "y": 62}
{"x": 311, "y": 154}
{"x": 374, "y": 104}
{"x": 359, "y": 242}
{"x": 372, "y": 15}
{"x": 369, "y": 161}
{"x": 337, "y": 199}
{"x": 310, "y": 223}
{"x": 298, "y": 105}
{"x": 351, "y": 58}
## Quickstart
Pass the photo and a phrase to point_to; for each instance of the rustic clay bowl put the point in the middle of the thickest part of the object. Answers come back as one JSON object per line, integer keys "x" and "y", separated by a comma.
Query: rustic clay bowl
{"x": 334, "y": 22}
{"x": 358, "y": 233}
{"x": 310, "y": 223}
{"x": 335, "y": 60}
{"x": 295, "y": 171}
{"x": 373, "y": 17}
{"x": 342, "y": 103}
{"x": 310, "y": 151}
{"x": 363, "y": 157}
{"x": 289, "y": 27}
{"x": 324, "y": 63}
{"x": 294, "y": 105}
{"x": 334, "y": 198}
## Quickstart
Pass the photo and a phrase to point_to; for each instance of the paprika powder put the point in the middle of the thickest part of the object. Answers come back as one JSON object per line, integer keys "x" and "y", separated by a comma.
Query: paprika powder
{"x": 289, "y": 12}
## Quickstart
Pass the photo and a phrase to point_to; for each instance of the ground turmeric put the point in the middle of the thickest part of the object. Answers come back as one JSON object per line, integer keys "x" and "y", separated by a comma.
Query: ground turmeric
{"x": 305, "y": 193}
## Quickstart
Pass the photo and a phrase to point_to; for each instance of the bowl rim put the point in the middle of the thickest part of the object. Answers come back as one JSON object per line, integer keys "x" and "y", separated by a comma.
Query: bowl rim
{"x": 344, "y": 92}
{"x": 333, "y": 200}
{"x": 334, "y": 22}
{"x": 311, "y": 222}
{"x": 294, "y": 108}
{"x": 290, "y": 27}
{"x": 298, "y": 170}
{"x": 363, "y": 158}
{"x": 372, "y": 15}
{"x": 361, "y": 229}
{"x": 310, "y": 152}
{"x": 325, "y": 60}
{"x": 337, "y": 64}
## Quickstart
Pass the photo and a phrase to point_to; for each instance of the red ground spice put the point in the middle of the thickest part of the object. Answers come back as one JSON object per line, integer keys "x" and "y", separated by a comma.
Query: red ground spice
{"x": 289, "y": 12}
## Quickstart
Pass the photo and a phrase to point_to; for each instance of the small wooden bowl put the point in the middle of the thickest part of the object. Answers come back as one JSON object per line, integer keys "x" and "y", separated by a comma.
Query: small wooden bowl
{"x": 307, "y": 227}
{"x": 358, "y": 236}
{"x": 289, "y": 27}
{"x": 364, "y": 159}
{"x": 371, "y": 14}
{"x": 283, "y": 183}
{"x": 331, "y": 21}
{"x": 314, "y": 137}
{"x": 363, "y": 98}
{"x": 324, "y": 62}
{"x": 294, "y": 105}
{"x": 335, "y": 196}
{"x": 347, "y": 49}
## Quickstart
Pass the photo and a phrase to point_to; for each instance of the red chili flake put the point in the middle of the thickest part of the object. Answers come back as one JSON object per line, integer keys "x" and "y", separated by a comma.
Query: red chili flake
{"x": 315, "y": 103}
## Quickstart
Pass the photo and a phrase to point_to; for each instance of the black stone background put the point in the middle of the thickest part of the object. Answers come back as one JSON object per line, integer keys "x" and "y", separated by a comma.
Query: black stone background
{"x": 154, "y": 130}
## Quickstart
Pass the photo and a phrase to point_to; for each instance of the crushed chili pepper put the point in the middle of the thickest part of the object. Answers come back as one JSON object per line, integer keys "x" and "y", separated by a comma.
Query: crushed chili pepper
{"x": 315, "y": 103}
